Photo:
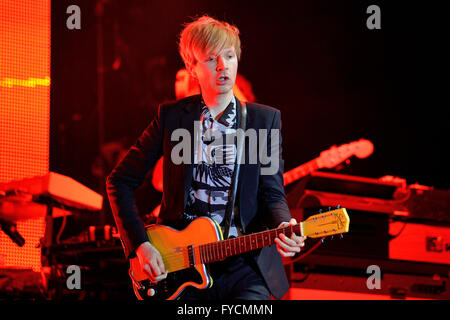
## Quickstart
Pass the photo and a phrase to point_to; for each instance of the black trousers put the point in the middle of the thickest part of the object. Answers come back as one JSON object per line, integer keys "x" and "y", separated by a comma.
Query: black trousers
{"x": 236, "y": 278}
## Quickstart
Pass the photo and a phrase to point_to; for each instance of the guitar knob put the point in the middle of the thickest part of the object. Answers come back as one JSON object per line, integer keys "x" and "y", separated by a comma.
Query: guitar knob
{"x": 151, "y": 292}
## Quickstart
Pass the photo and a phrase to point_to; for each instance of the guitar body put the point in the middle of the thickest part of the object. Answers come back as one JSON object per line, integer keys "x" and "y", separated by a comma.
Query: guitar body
{"x": 180, "y": 259}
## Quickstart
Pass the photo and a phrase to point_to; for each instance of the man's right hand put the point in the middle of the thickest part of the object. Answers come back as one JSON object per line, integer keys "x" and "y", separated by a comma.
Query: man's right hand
{"x": 151, "y": 262}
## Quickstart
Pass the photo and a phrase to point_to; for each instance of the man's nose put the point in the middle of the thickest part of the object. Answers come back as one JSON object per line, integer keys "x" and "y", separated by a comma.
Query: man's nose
{"x": 221, "y": 64}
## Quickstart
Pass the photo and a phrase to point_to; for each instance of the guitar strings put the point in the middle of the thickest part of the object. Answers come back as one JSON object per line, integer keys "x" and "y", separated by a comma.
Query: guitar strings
{"x": 217, "y": 250}
{"x": 208, "y": 252}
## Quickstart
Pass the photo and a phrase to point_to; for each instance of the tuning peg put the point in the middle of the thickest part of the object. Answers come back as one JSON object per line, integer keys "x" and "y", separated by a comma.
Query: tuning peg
{"x": 320, "y": 210}
{"x": 323, "y": 240}
{"x": 338, "y": 206}
{"x": 329, "y": 208}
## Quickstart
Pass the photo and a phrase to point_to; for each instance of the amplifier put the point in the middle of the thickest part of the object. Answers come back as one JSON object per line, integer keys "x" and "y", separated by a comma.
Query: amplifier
{"x": 368, "y": 235}
{"x": 388, "y": 219}
{"x": 392, "y": 197}
{"x": 104, "y": 268}
{"x": 419, "y": 242}
{"x": 316, "y": 286}
{"x": 343, "y": 277}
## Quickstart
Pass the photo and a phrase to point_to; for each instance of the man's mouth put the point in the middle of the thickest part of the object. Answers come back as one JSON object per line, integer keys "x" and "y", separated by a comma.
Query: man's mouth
{"x": 223, "y": 80}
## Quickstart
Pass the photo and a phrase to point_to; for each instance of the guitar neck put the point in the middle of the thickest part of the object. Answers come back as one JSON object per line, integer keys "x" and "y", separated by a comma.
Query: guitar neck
{"x": 301, "y": 171}
{"x": 221, "y": 250}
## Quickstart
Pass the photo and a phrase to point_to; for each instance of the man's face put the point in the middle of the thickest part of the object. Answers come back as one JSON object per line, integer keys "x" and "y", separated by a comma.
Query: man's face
{"x": 216, "y": 71}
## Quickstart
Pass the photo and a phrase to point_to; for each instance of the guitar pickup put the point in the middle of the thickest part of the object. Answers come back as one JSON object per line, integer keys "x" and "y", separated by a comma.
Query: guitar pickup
{"x": 191, "y": 256}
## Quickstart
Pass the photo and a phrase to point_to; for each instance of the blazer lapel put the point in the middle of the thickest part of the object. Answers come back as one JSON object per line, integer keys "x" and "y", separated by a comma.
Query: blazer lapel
{"x": 244, "y": 166}
{"x": 191, "y": 114}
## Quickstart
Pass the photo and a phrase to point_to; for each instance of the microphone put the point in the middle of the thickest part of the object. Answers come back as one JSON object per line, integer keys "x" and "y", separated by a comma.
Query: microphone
{"x": 11, "y": 230}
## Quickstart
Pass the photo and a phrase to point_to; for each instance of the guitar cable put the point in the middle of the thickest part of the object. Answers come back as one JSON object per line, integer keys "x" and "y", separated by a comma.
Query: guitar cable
{"x": 302, "y": 256}
{"x": 393, "y": 236}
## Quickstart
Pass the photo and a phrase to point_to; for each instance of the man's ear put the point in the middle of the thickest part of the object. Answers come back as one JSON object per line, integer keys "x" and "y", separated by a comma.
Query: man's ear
{"x": 190, "y": 69}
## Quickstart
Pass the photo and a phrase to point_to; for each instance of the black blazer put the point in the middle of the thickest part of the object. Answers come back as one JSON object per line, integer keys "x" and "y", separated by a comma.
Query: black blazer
{"x": 260, "y": 199}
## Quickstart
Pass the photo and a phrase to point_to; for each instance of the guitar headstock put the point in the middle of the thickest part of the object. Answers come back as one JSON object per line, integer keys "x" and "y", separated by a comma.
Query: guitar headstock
{"x": 336, "y": 154}
{"x": 326, "y": 224}
{"x": 362, "y": 148}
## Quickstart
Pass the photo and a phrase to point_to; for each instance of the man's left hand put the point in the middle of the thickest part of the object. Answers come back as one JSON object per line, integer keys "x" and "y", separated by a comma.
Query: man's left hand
{"x": 286, "y": 246}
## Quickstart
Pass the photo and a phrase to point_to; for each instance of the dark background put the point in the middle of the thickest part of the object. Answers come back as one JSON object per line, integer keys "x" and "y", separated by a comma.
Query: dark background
{"x": 334, "y": 80}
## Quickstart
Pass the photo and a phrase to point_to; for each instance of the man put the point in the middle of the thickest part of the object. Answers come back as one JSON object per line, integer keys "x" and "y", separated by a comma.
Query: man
{"x": 210, "y": 50}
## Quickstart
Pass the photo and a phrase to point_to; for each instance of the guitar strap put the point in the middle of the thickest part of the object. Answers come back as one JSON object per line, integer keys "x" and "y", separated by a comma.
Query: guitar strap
{"x": 233, "y": 188}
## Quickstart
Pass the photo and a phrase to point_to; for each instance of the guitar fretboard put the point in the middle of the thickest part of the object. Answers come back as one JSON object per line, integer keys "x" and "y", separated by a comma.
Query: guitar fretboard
{"x": 221, "y": 250}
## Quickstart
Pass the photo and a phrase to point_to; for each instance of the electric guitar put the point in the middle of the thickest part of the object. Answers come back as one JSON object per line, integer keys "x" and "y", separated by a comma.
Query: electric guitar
{"x": 185, "y": 253}
{"x": 330, "y": 158}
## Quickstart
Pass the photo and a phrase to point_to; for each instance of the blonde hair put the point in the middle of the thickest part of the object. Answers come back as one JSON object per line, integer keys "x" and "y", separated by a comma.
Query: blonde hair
{"x": 207, "y": 34}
